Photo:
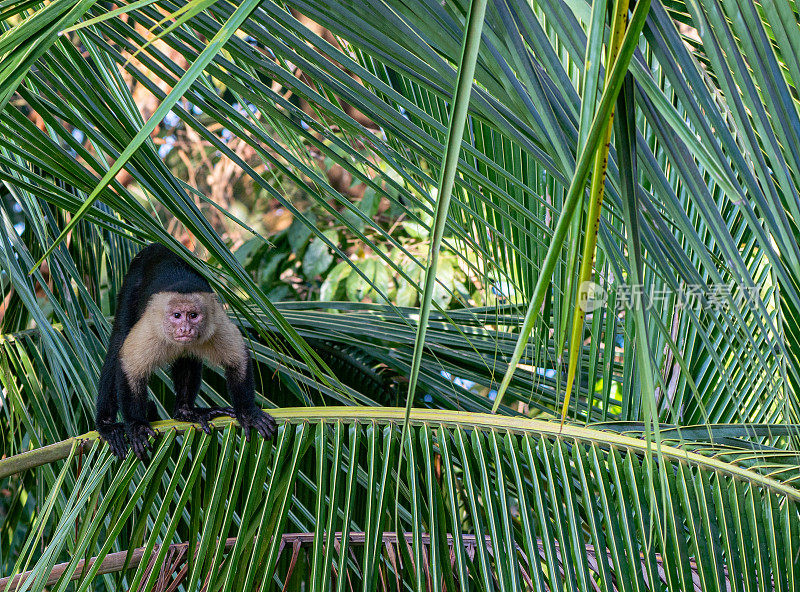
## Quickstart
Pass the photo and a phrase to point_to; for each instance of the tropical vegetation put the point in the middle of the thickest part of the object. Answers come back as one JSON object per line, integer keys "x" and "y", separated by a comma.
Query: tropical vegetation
{"x": 520, "y": 278}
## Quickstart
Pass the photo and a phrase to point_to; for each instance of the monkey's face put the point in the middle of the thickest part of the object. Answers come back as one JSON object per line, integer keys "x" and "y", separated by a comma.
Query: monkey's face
{"x": 185, "y": 319}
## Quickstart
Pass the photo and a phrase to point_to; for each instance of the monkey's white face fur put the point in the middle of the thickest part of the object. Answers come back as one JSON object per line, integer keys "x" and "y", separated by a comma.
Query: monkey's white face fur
{"x": 174, "y": 325}
{"x": 185, "y": 317}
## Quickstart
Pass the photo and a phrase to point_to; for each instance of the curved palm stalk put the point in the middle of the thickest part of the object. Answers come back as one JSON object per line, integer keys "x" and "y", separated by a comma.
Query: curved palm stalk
{"x": 455, "y": 133}
{"x": 596, "y": 193}
{"x": 576, "y": 189}
{"x": 515, "y": 503}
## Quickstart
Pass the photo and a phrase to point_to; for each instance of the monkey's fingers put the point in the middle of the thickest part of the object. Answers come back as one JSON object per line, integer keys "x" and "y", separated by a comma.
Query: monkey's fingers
{"x": 208, "y": 414}
{"x": 220, "y": 411}
{"x": 201, "y": 419}
{"x": 256, "y": 419}
{"x": 205, "y": 426}
{"x": 202, "y": 415}
{"x": 138, "y": 435}
{"x": 266, "y": 426}
{"x": 140, "y": 448}
{"x": 114, "y": 435}
{"x": 247, "y": 421}
{"x": 118, "y": 444}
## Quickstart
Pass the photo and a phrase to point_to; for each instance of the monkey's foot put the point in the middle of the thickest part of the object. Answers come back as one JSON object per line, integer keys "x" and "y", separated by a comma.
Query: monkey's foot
{"x": 114, "y": 434}
{"x": 256, "y": 419}
{"x": 137, "y": 435}
{"x": 202, "y": 415}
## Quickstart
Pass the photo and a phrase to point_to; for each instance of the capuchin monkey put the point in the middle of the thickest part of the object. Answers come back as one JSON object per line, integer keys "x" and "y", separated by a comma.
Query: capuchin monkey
{"x": 168, "y": 314}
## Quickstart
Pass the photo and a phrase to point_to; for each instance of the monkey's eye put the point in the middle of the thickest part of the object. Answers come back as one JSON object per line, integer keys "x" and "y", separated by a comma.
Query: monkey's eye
{"x": 192, "y": 315}
{"x": 177, "y": 315}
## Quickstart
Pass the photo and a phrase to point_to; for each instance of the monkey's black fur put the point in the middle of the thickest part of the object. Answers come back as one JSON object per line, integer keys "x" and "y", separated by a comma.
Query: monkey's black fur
{"x": 153, "y": 270}
{"x": 157, "y": 269}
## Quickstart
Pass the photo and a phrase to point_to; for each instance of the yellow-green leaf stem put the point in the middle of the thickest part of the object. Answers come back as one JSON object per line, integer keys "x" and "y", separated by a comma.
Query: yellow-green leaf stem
{"x": 109, "y": 15}
{"x": 576, "y": 188}
{"x": 591, "y": 86}
{"x": 394, "y": 415}
{"x": 179, "y": 17}
{"x": 595, "y": 207}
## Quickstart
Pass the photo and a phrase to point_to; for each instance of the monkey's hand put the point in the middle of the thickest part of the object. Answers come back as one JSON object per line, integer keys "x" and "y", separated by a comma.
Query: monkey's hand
{"x": 255, "y": 418}
{"x": 138, "y": 433}
{"x": 202, "y": 415}
{"x": 114, "y": 434}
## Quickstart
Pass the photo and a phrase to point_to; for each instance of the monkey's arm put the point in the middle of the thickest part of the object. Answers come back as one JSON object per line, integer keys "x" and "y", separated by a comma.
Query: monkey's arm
{"x": 106, "y": 422}
{"x": 227, "y": 349}
{"x": 108, "y": 398}
{"x": 241, "y": 388}
{"x": 140, "y": 354}
{"x": 132, "y": 393}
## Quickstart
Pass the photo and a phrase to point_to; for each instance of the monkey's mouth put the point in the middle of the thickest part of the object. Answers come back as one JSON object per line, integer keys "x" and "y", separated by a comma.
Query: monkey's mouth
{"x": 184, "y": 338}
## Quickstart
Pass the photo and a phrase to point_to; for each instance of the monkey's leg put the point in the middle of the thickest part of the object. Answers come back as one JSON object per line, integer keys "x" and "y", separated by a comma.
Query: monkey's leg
{"x": 187, "y": 374}
{"x": 106, "y": 422}
{"x": 241, "y": 388}
{"x": 133, "y": 402}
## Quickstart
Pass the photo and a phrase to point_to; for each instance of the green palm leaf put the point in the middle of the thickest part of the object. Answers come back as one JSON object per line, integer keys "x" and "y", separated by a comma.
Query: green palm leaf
{"x": 503, "y": 481}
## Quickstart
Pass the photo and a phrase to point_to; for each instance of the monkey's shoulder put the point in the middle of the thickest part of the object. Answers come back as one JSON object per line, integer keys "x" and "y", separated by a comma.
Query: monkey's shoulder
{"x": 144, "y": 348}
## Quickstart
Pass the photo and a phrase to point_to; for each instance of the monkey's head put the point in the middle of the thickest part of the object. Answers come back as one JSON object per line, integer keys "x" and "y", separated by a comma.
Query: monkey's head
{"x": 186, "y": 317}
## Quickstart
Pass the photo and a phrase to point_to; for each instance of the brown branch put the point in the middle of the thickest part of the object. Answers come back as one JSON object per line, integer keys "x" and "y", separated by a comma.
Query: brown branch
{"x": 115, "y": 562}
{"x": 111, "y": 563}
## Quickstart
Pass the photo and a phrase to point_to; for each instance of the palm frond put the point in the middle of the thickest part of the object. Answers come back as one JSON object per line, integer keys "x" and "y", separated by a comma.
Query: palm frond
{"x": 487, "y": 501}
